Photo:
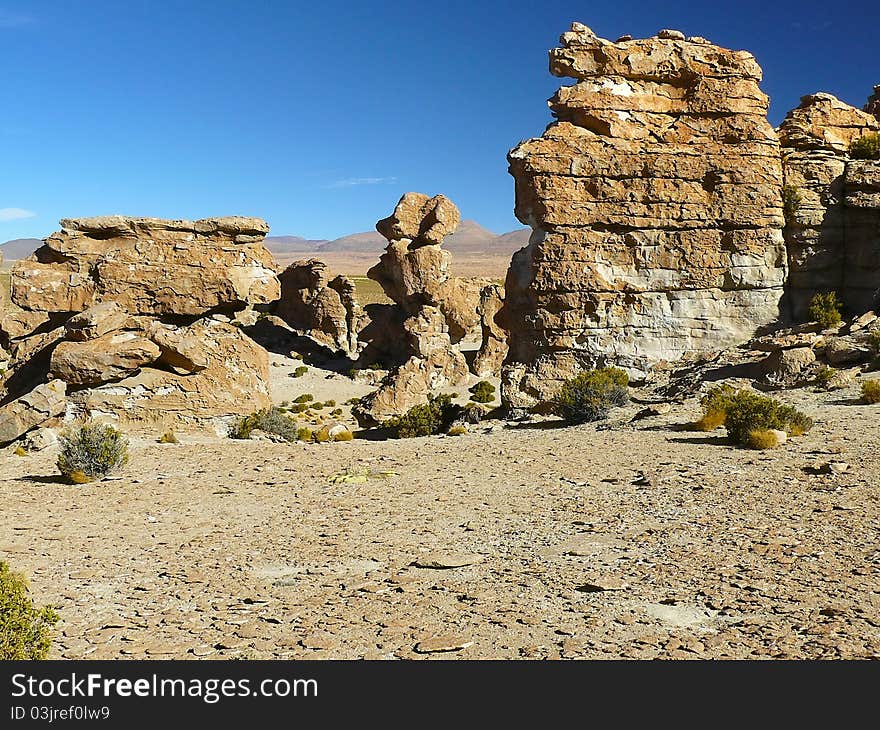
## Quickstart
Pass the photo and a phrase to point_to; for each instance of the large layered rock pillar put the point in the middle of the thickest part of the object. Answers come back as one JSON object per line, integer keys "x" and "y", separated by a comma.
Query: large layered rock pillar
{"x": 656, "y": 207}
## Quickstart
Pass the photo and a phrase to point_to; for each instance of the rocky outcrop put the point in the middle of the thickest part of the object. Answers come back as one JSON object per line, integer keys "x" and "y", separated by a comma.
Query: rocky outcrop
{"x": 126, "y": 313}
{"x": 414, "y": 335}
{"x": 873, "y": 105}
{"x": 832, "y": 205}
{"x": 149, "y": 266}
{"x": 493, "y": 347}
{"x": 322, "y": 308}
{"x": 31, "y": 410}
{"x": 656, "y": 204}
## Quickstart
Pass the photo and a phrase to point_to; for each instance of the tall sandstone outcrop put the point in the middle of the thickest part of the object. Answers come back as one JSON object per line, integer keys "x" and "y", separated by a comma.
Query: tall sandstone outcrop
{"x": 656, "y": 206}
{"x": 131, "y": 316}
{"x": 832, "y": 230}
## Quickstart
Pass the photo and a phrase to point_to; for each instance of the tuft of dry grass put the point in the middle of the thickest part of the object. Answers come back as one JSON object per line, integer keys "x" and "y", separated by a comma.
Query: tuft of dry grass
{"x": 762, "y": 439}
{"x": 710, "y": 421}
{"x": 871, "y": 391}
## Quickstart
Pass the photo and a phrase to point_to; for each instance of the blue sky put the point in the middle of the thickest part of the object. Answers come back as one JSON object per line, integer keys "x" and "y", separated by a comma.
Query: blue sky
{"x": 318, "y": 115}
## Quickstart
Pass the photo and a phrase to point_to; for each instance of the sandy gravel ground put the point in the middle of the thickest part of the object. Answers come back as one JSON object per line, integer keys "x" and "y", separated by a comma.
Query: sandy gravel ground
{"x": 634, "y": 540}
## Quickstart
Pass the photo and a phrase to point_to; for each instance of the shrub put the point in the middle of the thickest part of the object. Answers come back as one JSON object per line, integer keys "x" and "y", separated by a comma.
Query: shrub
{"x": 590, "y": 395}
{"x": 25, "y": 630}
{"x": 336, "y": 412}
{"x": 871, "y": 391}
{"x": 472, "y": 413}
{"x": 761, "y": 438}
{"x": 299, "y": 408}
{"x": 329, "y": 404}
{"x": 459, "y": 430}
{"x": 299, "y": 372}
{"x": 825, "y": 376}
{"x": 270, "y": 420}
{"x": 825, "y": 309}
{"x": 874, "y": 341}
{"x": 90, "y": 452}
{"x": 304, "y": 434}
{"x": 304, "y": 398}
{"x": 715, "y": 404}
{"x": 168, "y": 438}
{"x": 322, "y": 436}
{"x": 20, "y": 451}
{"x": 483, "y": 392}
{"x": 866, "y": 147}
{"x": 791, "y": 202}
{"x": 343, "y": 436}
{"x": 750, "y": 412}
{"x": 426, "y": 419}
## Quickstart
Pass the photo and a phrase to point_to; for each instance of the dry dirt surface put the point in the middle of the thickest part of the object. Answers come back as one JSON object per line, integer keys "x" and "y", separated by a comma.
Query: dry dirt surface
{"x": 627, "y": 539}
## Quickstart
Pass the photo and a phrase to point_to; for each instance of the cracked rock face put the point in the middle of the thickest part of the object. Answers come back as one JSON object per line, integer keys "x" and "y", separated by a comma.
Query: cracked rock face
{"x": 832, "y": 231}
{"x": 656, "y": 206}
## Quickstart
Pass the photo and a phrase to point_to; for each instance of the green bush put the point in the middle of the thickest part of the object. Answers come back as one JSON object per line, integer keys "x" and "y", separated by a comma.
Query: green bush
{"x": 25, "y": 630}
{"x": 472, "y": 413}
{"x": 715, "y": 404}
{"x": 748, "y": 412}
{"x": 791, "y": 202}
{"x": 270, "y": 420}
{"x": 426, "y": 419}
{"x": 871, "y": 391}
{"x": 90, "y": 452}
{"x": 300, "y": 371}
{"x": 825, "y": 377}
{"x": 483, "y": 392}
{"x": 866, "y": 147}
{"x": 825, "y": 309}
{"x": 591, "y": 395}
{"x": 305, "y": 434}
{"x": 874, "y": 341}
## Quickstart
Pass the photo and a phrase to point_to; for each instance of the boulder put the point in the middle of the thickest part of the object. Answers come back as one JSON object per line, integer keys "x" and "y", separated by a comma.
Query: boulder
{"x": 420, "y": 220}
{"x": 95, "y": 322}
{"x": 786, "y": 368}
{"x": 149, "y": 266}
{"x": 112, "y": 356}
{"x": 322, "y": 308}
{"x": 493, "y": 345}
{"x": 655, "y": 201}
{"x": 31, "y": 410}
{"x": 848, "y": 350}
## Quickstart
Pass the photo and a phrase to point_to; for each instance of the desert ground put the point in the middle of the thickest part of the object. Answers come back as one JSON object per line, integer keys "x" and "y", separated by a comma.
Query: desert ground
{"x": 631, "y": 538}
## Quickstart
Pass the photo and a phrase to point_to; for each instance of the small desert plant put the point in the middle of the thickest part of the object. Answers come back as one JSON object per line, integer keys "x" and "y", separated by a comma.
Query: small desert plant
{"x": 874, "y": 341}
{"x": 472, "y": 413}
{"x": 871, "y": 391}
{"x": 90, "y": 452}
{"x": 271, "y": 420}
{"x": 343, "y": 436}
{"x": 299, "y": 408}
{"x": 750, "y": 412}
{"x": 25, "y": 630}
{"x": 329, "y": 404}
{"x": 336, "y": 412}
{"x": 20, "y": 451}
{"x": 590, "y": 395}
{"x": 483, "y": 392}
{"x": 866, "y": 147}
{"x": 825, "y": 309}
{"x": 304, "y": 434}
{"x": 825, "y": 377}
{"x": 715, "y": 404}
{"x": 791, "y": 202}
{"x": 304, "y": 398}
{"x": 426, "y": 419}
{"x": 300, "y": 371}
{"x": 322, "y": 436}
{"x": 761, "y": 438}
{"x": 168, "y": 438}
{"x": 459, "y": 430}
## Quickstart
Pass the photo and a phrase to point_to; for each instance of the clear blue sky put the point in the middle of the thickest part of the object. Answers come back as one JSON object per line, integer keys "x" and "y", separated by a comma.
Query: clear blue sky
{"x": 318, "y": 115}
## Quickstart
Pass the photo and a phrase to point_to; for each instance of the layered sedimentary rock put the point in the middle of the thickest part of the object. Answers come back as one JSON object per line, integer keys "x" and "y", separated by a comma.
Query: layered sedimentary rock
{"x": 126, "y": 313}
{"x": 149, "y": 266}
{"x": 21, "y": 415}
{"x": 493, "y": 347}
{"x": 656, "y": 205}
{"x": 832, "y": 206}
{"x": 322, "y": 308}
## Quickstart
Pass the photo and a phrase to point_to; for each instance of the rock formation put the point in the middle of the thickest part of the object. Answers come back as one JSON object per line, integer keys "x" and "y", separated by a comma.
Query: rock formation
{"x": 832, "y": 229}
{"x": 324, "y": 309}
{"x": 873, "y": 105}
{"x": 32, "y": 409}
{"x": 131, "y": 316}
{"x": 415, "y": 331}
{"x": 656, "y": 205}
{"x": 493, "y": 347}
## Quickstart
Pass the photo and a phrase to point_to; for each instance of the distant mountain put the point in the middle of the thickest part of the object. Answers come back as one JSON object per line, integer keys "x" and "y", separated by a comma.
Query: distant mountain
{"x": 292, "y": 244}
{"x": 19, "y": 248}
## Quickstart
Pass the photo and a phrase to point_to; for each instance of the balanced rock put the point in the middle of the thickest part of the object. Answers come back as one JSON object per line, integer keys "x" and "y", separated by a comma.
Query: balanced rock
{"x": 31, "y": 410}
{"x": 149, "y": 266}
{"x": 322, "y": 308}
{"x": 493, "y": 347}
{"x": 656, "y": 205}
